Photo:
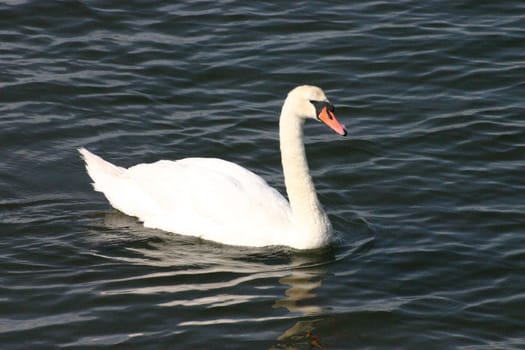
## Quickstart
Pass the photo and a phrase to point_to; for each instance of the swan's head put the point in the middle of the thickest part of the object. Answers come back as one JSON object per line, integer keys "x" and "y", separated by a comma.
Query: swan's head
{"x": 311, "y": 102}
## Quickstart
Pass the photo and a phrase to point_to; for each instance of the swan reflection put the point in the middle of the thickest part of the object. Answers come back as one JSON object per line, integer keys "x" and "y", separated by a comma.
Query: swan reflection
{"x": 228, "y": 287}
{"x": 304, "y": 279}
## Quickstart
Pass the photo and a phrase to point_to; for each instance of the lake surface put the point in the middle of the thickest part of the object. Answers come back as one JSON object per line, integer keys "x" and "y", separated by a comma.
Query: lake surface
{"x": 426, "y": 194}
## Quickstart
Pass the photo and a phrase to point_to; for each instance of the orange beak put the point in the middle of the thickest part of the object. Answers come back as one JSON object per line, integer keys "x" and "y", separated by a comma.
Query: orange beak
{"x": 328, "y": 117}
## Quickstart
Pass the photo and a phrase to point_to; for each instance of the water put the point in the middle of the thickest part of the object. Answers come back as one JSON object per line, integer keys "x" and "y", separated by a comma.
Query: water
{"x": 426, "y": 193}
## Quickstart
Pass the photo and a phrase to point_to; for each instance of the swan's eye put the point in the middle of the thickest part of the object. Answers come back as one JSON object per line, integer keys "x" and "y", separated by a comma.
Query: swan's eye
{"x": 319, "y": 105}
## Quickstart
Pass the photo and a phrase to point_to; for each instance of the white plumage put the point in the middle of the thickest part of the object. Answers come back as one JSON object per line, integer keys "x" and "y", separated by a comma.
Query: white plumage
{"x": 221, "y": 201}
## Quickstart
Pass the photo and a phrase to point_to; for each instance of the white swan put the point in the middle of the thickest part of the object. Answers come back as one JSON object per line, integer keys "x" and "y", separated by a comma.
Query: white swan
{"x": 221, "y": 201}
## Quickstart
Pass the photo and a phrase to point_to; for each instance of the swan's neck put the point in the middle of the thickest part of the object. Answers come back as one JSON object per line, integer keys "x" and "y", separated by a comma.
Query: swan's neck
{"x": 309, "y": 218}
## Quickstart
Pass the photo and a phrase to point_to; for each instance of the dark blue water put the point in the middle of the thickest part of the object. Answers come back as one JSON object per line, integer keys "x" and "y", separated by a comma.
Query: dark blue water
{"x": 426, "y": 194}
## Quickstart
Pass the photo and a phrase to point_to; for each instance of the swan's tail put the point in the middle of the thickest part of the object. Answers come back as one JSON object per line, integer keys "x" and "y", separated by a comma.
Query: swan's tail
{"x": 101, "y": 172}
{"x": 120, "y": 190}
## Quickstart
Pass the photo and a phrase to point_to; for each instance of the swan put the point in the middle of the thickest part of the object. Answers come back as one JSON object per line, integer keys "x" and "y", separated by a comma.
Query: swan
{"x": 220, "y": 201}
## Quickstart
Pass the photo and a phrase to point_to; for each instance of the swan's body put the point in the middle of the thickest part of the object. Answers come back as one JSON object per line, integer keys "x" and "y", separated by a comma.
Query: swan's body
{"x": 221, "y": 201}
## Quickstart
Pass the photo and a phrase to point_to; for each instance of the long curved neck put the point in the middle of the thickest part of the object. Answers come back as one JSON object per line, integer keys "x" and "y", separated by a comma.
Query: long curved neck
{"x": 308, "y": 214}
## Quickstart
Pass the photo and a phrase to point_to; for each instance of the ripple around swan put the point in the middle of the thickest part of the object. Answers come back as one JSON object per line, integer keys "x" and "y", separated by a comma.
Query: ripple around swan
{"x": 425, "y": 194}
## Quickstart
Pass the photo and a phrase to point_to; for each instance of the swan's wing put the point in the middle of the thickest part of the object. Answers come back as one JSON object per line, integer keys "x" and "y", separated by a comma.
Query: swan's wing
{"x": 207, "y": 197}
